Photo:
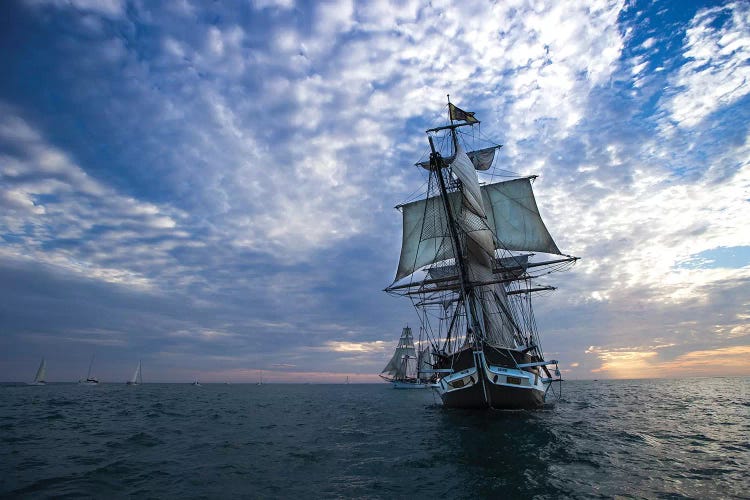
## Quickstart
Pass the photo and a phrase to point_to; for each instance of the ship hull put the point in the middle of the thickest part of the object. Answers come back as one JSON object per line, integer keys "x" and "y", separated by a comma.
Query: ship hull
{"x": 483, "y": 380}
{"x": 498, "y": 398}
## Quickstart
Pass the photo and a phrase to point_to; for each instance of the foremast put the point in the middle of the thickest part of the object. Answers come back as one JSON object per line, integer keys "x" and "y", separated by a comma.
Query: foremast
{"x": 469, "y": 293}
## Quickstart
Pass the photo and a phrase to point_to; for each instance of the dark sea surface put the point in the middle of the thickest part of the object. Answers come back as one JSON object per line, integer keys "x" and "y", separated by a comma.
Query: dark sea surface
{"x": 686, "y": 438}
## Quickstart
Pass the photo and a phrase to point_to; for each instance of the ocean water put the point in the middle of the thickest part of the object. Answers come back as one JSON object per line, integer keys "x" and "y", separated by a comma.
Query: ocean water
{"x": 685, "y": 438}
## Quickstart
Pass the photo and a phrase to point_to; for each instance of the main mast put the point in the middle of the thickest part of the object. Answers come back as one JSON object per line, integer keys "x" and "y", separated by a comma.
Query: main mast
{"x": 466, "y": 289}
{"x": 437, "y": 165}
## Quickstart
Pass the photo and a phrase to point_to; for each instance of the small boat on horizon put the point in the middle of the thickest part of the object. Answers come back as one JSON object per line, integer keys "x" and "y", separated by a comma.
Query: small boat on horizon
{"x": 137, "y": 378}
{"x": 196, "y": 383}
{"x": 41, "y": 374}
{"x": 90, "y": 380}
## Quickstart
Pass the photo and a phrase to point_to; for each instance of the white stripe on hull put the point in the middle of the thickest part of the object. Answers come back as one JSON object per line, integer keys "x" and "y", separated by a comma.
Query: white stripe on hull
{"x": 495, "y": 386}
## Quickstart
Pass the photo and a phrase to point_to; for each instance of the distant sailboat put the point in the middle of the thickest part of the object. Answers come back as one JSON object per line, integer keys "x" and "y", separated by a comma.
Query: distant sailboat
{"x": 404, "y": 370}
{"x": 137, "y": 379}
{"x": 41, "y": 374}
{"x": 90, "y": 380}
{"x": 260, "y": 380}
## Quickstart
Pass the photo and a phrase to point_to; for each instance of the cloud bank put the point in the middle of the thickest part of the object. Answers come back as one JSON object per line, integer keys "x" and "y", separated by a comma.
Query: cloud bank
{"x": 209, "y": 187}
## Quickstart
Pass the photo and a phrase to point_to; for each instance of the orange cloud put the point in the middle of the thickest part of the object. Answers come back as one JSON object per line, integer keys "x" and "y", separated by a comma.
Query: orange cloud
{"x": 634, "y": 363}
{"x": 727, "y": 361}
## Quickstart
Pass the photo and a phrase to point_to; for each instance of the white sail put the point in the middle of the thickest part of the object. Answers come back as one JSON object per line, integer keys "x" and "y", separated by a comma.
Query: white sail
{"x": 490, "y": 300}
{"x": 511, "y": 214}
{"x": 397, "y": 367}
{"x": 426, "y": 237}
{"x": 424, "y": 364}
{"x": 464, "y": 170}
{"x": 41, "y": 373}
{"x": 136, "y": 379}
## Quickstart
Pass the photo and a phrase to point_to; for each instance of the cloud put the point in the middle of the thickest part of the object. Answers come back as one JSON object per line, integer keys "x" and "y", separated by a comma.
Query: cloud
{"x": 232, "y": 172}
{"x": 624, "y": 363}
{"x": 359, "y": 347}
{"x": 264, "y": 4}
{"x": 716, "y": 74}
{"x": 57, "y": 214}
{"x": 106, "y": 8}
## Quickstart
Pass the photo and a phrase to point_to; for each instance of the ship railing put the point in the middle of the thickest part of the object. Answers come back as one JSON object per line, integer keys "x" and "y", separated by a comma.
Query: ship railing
{"x": 538, "y": 363}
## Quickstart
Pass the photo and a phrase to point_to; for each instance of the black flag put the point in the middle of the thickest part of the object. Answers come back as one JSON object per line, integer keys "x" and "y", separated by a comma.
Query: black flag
{"x": 460, "y": 114}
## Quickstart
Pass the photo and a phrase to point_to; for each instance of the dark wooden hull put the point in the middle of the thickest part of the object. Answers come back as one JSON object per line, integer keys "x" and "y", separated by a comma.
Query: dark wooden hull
{"x": 500, "y": 398}
{"x": 485, "y": 390}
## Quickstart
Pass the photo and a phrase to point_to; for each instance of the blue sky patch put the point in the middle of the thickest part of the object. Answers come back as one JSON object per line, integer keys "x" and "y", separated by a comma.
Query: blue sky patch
{"x": 726, "y": 257}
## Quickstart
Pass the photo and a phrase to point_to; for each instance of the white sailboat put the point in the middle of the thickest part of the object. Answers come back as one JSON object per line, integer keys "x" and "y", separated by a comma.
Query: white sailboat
{"x": 469, "y": 254}
{"x": 405, "y": 368}
{"x": 89, "y": 380}
{"x": 41, "y": 374}
{"x": 260, "y": 380}
{"x": 136, "y": 379}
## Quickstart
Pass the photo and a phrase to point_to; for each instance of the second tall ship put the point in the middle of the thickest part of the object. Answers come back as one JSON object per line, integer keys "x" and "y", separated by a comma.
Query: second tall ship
{"x": 407, "y": 369}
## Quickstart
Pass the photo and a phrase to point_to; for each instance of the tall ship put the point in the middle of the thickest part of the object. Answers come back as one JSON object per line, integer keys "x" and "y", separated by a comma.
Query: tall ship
{"x": 470, "y": 256}
{"x": 406, "y": 369}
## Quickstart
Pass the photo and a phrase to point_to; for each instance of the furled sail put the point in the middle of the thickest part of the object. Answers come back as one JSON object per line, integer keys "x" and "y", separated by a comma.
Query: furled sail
{"x": 396, "y": 367}
{"x": 506, "y": 267}
{"x": 511, "y": 214}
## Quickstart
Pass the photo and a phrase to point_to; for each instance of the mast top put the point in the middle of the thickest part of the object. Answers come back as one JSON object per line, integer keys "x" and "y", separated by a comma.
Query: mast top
{"x": 456, "y": 114}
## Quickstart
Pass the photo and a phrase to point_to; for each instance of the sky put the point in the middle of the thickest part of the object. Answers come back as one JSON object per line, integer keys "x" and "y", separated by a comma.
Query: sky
{"x": 209, "y": 187}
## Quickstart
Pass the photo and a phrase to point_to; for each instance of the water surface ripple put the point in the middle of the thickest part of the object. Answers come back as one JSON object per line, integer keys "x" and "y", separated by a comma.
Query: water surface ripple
{"x": 641, "y": 438}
